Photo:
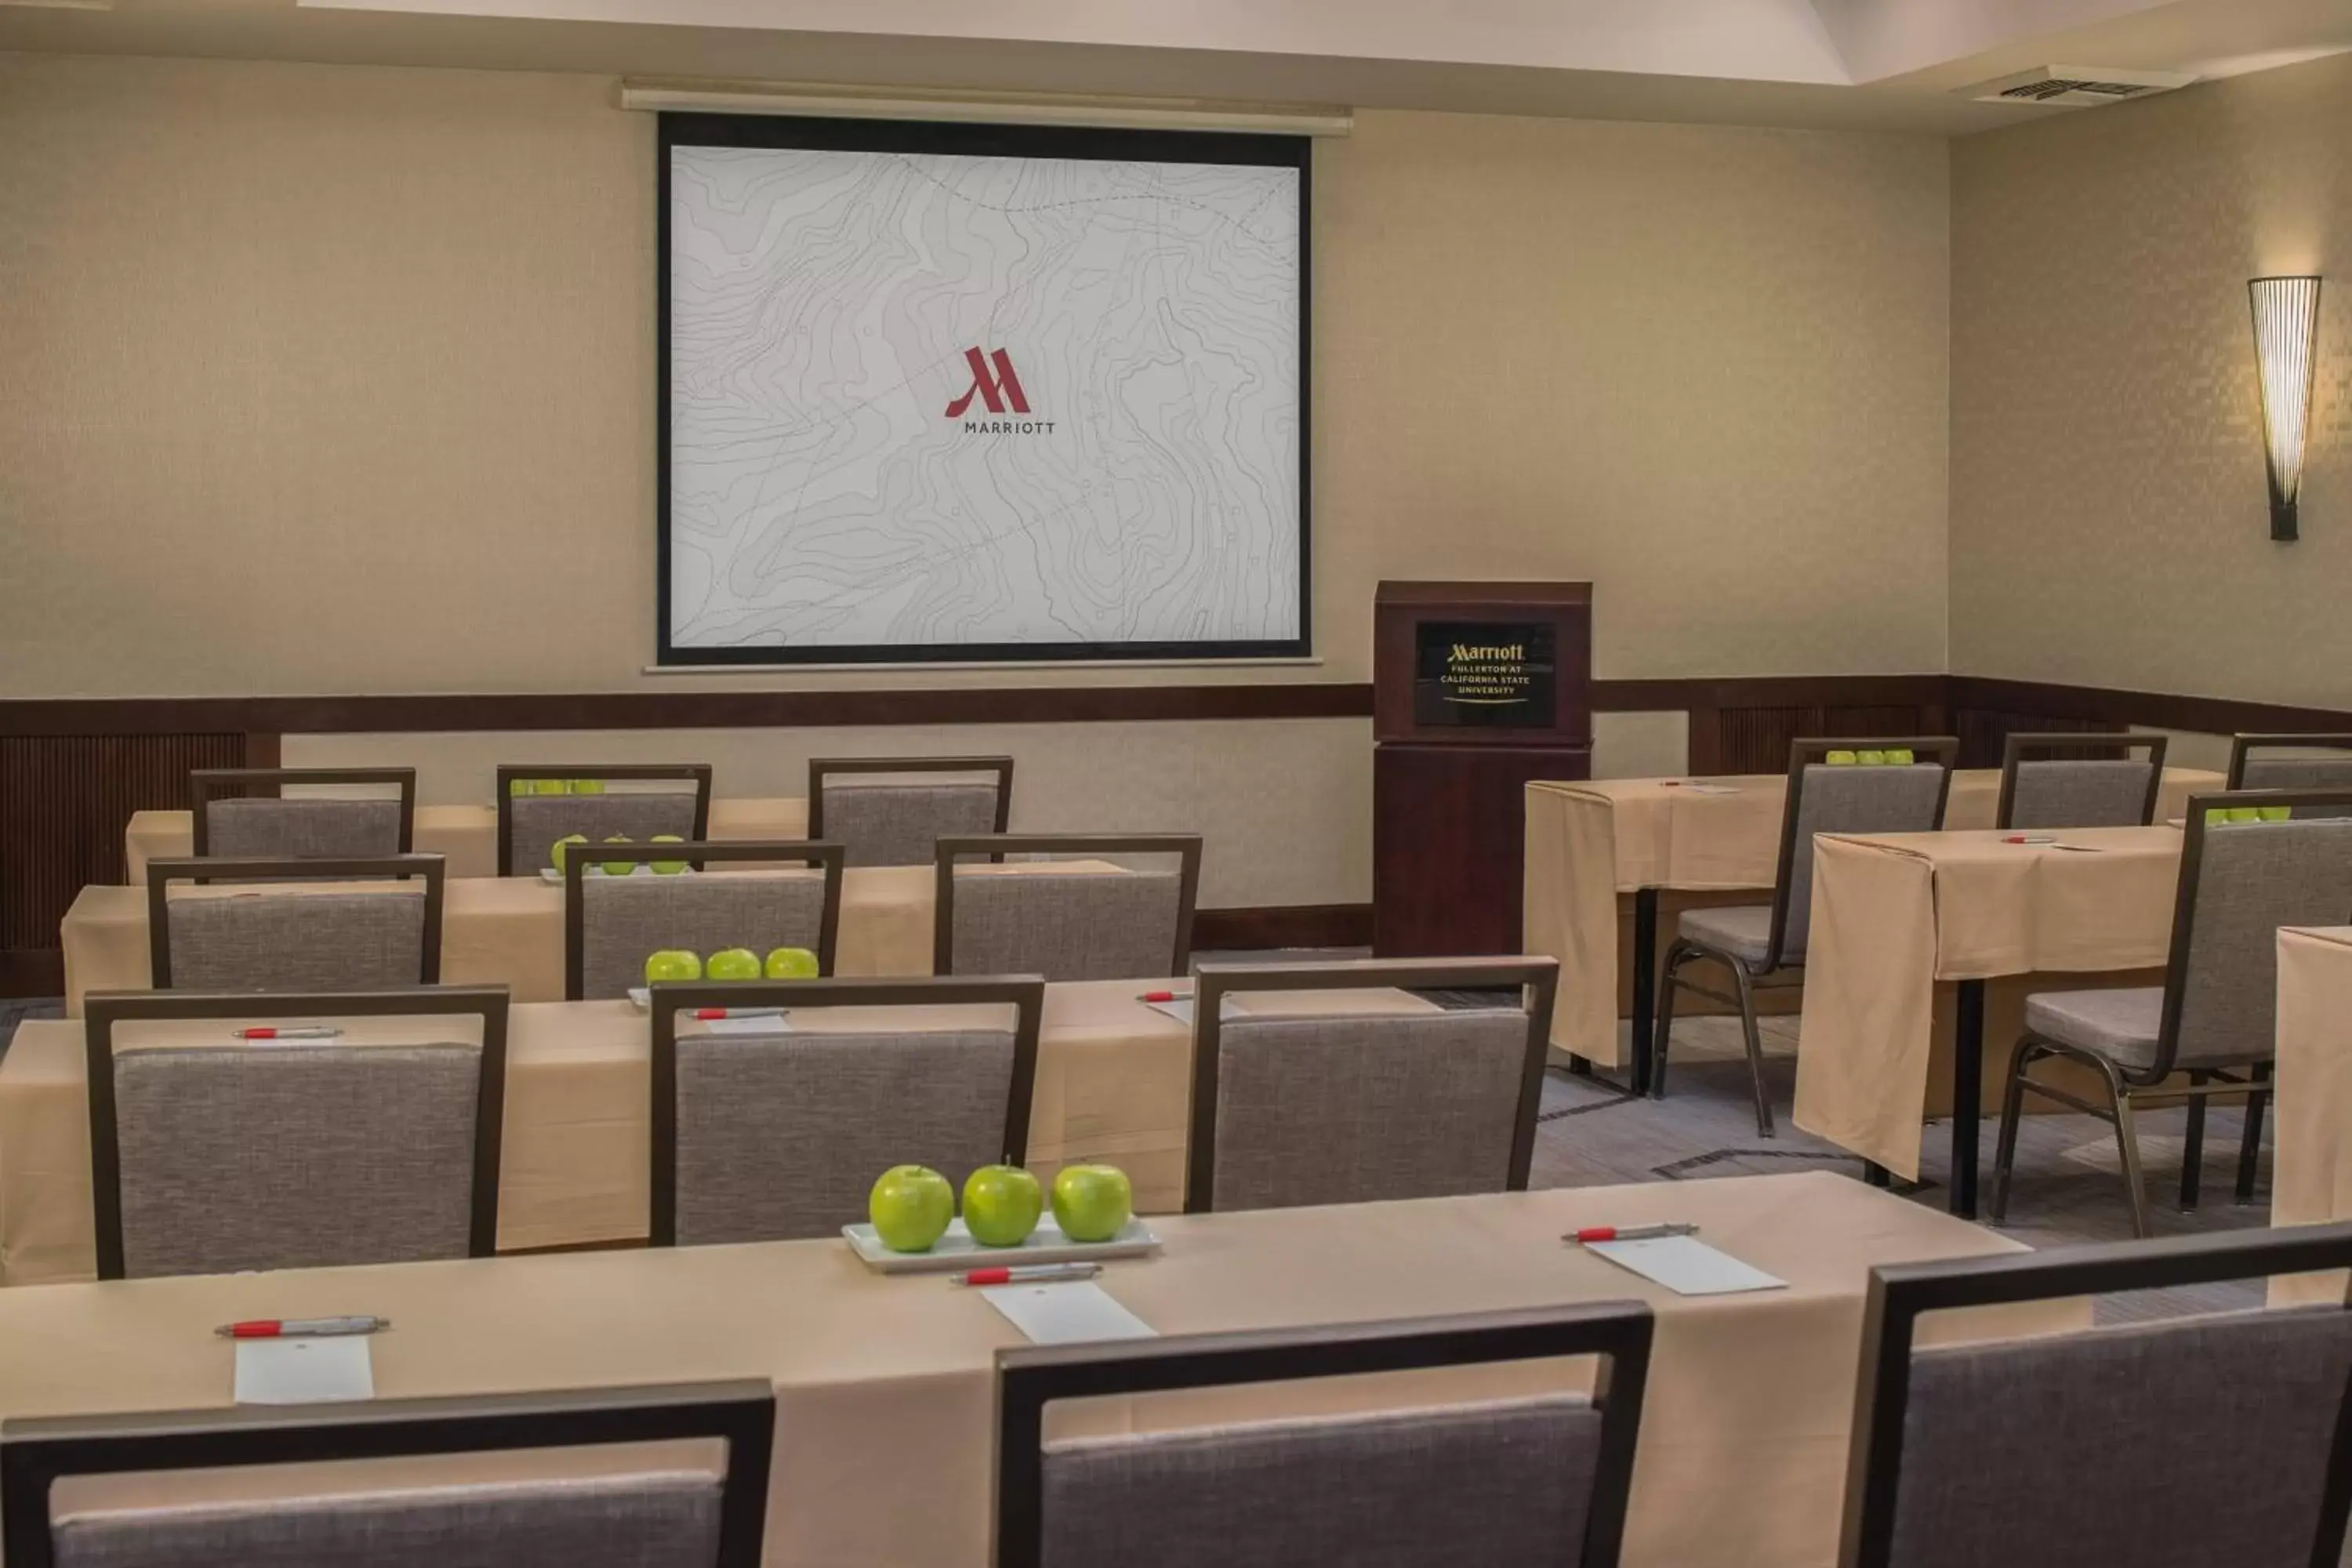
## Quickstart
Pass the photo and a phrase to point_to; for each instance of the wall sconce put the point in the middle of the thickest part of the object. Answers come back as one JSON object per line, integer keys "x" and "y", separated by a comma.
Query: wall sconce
{"x": 2286, "y": 319}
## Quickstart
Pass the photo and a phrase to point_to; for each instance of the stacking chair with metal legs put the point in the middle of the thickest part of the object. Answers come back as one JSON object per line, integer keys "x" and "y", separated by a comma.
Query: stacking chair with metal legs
{"x": 382, "y": 930}
{"x": 2291, "y": 762}
{"x": 1764, "y": 944}
{"x": 2210, "y": 1441}
{"x": 1532, "y": 1482}
{"x": 2080, "y": 781}
{"x": 226, "y": 821}
{"x": 893, "y": 811}
{"x": 656, "y": 798}
{"x": 2215, "y": 1016}
{"x": 1082, "y": 922}
{"x": 612, "y": 923}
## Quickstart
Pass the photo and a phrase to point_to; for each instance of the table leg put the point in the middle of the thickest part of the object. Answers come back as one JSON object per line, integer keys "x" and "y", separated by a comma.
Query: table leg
{"x": 1645, "y": 986}
{"x": 1967, "y": 1093}
{"x": 1577, "y": 1067}
{"x": 1877, "y": 1174}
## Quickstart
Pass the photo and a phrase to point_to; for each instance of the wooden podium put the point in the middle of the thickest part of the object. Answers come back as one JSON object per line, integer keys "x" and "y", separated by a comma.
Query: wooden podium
{"x": 1477, "y": 688}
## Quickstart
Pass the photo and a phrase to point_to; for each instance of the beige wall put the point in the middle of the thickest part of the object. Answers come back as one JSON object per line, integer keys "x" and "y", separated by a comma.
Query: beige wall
{"x": 2110, "y": 521}
{"x": 279, "y": 336}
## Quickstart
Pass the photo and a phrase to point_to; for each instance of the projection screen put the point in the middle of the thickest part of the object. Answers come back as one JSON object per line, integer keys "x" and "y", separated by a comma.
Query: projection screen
{"x": 938, "y": 392}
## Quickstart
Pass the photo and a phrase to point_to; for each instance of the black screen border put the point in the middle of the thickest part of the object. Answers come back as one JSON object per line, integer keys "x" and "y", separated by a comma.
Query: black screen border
{"x": 956, "y": 138}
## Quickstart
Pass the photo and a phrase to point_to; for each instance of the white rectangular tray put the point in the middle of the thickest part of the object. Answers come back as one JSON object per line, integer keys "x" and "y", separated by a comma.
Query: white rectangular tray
{"x": 554, "y": 878}
{"x": 956, "y": 1250}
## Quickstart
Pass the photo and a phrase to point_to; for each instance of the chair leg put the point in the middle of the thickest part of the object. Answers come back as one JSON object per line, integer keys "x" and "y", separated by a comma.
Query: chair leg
{"x": 2128, "y": 1143}
{"x": 2249, "y": 1151}
{"x": 1676, "y": 956}
{"x": 1755, "y": 1048}
{"x": 2192, "y": 1146}
{"x": 2012, "y": 1111}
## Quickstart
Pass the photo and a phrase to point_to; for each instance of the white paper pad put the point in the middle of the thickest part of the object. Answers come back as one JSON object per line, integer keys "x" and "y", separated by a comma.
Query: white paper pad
{"x": 1180, "y": 1009}
{"x": 1712, "y": 788}
{"x": 1075, "y": 1312}
{"x": 322, "y": 1371}
{"x": 1686, "y": 1265}
{"x": 778, "y": 1024}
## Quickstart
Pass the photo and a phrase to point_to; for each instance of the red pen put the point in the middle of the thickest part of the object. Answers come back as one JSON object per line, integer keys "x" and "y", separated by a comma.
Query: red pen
{"x": 1161, "y": 996}
{"x": 301, "y": 1033}
{"x": 2030, "y": 839}
{"x": 707, "y": 1014}
{"x": 1593, "y": 1233}
{"x": 292, "y": 1328}
{"x": 1035, "y": 1274}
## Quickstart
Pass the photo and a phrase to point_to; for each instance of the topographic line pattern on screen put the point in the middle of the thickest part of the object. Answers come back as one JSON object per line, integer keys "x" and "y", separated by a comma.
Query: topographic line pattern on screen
{"x": 929, "y": 403}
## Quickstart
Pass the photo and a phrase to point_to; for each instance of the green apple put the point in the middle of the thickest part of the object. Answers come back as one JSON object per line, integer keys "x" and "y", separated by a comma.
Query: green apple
{"x": 910, "y": 1206}
{"x": 1871, "y": 759}
{"x": 732, "y": 963}
{"x": 518, "y": 786}
{"x": 791, "y": 964}
{"x": 584, "y": 786}
{"x": 1092, "y": 1203}
{"x": 555, "y": 850}
{"x": 1840, "y": 759}
{"x": 668, "y": 867}
{"x": 672, "y": 963}
{"x": 1001, "y": 1204}
{"x": 1900, "y": 757}
{"x": 547, "y": 786}
{"x": 619, "y": 867}
{"x": 2245, "y": 814}
{"x": 2216, "y": 815}
{"x": 2275, "y": 813}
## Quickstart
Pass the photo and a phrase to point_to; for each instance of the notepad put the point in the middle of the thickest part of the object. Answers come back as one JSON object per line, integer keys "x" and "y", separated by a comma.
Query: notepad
{"x": 1077, "y": 1313}
{"x": 778, "y": 1024}
{"x": 1180, "y": 1009}
{"x": 322, "y": 1371}
{"x": 1712, "y": 788}
{"x": 1686, "y": 1265}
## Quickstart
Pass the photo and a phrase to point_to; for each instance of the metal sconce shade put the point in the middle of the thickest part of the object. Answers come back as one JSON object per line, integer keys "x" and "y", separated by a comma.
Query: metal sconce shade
{"x": 2286, "y": 319}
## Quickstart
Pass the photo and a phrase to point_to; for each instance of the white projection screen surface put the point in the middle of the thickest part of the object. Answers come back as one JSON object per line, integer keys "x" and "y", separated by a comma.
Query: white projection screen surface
{"x": 937, "y": 392}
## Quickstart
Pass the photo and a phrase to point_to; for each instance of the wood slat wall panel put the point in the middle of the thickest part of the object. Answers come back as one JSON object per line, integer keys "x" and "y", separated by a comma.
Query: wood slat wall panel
{"x": 65, "y": 801}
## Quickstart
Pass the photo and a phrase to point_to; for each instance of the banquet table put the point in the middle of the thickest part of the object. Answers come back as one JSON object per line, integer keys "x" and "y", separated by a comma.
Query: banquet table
{"x": 467, "y": 836}
{"x": 1606, "y": 860}
{"x": 1908, "y": 931}
{"x": 509, "y": 931}
{"x": 1114, "y": 1083}
{"x": 2311, "y": 1170}
{"x": 884, "y": 1430}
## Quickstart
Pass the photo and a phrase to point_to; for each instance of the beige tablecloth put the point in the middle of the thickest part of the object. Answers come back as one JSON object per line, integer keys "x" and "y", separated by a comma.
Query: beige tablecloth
{"x": 884, "y": 1394}
{"x": 2311, "y": 1180}
{"x": 509, "y": 931}
{"x": 467, "y": 835}
{"x": 1114, "y": 1082}
{"x": 1895, "y": 914}
{"x": 1590, "y": 846}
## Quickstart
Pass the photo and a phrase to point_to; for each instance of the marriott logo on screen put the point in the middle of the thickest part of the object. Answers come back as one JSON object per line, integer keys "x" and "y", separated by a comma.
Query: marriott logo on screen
{"x": 998, "y": 388}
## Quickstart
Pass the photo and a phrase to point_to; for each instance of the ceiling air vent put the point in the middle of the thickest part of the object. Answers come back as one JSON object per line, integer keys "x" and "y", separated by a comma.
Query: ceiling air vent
{"x": 2074, "y": 84}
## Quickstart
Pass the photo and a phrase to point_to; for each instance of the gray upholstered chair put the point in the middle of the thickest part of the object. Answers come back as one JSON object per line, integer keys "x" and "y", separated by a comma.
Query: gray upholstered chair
{"x": 893, "y": 811}
{"x": 2092, "y": 781}
{"x": 531, "y": 822}
{"x": 612, "y": 923}
{"x": 1533, "y": 1482}
{"x": 1338, "y": 1108}
{"x": 1071, "y": 925}
{"x": 2187, "y": 1442}
{"x": 673, "y": 1511}
{"x": 229, "y": 822}
{"x": 1765, "y": 943}
{"x": 2214, "y": 1017}
{"x": 778, "y": 1135}
{"x": 2292, "y": 762}
{"x": 209, "y": 1158}
{"x": 384, "y": 930}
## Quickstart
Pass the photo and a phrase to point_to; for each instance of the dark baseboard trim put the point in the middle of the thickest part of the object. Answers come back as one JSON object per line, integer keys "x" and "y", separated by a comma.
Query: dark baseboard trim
{"x": 1282, "y": 925}
{"x": 2154, "y": 709}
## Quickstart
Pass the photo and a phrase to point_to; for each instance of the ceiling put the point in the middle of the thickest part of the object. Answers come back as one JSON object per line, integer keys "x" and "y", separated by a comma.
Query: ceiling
{"x": 1890, "y": 64}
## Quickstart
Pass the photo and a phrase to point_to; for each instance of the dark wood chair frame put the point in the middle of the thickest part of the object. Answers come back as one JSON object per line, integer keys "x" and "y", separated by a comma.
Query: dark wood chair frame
{"x": 2241, "y": 746}
{"x": 1186, "y": 846}
{"x": 161, "y": 874}
{"x": 1901, "y": 1294}
{"x": 821, "y": 768}
{"x": 2014, "y": 750}
{"x": 35, "y": 1454}
{"x": 1024, "y": 993}
{"x": 829, "y": 859}
{"x": 2125, "y": 1091}
{"x": 696, "y": 774}
{"x": 208, "y": 785}
{"x": 103, "y": 1010}
{"x": 1031, "y": 1378}
{"x": 1537, "y": 978}
{"x": 1943, "y": 750}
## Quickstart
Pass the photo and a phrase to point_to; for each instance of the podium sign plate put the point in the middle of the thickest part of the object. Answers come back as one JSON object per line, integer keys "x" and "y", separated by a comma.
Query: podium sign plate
{"x": 1493, "y": 674}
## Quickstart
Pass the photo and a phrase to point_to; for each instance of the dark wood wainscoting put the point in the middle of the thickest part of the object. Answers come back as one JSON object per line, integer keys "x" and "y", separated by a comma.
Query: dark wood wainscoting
{"x": 72, "y": 770}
